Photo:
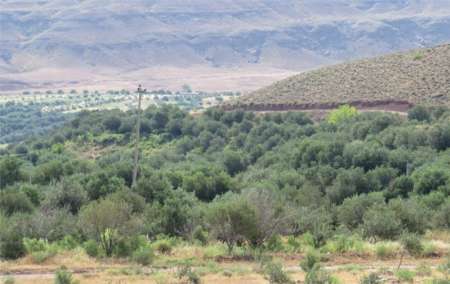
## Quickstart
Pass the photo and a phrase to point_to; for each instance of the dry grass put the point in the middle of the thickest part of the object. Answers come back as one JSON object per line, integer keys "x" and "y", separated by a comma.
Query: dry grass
{"x": 208, "y": 262}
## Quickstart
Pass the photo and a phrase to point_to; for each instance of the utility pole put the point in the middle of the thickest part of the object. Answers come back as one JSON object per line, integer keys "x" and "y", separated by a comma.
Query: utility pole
{"x": 140, "y": 91}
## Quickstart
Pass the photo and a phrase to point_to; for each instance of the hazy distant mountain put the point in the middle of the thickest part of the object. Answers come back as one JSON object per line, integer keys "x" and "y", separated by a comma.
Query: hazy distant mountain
{"x": 72, "y": 41}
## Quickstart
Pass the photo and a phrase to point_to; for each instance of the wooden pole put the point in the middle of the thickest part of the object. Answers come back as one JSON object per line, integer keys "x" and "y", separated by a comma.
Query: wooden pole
{"x": 140, "y": 91}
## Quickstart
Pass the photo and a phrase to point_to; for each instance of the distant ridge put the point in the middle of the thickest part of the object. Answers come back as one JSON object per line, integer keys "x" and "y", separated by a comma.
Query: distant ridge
{"x": 395, "y": 82}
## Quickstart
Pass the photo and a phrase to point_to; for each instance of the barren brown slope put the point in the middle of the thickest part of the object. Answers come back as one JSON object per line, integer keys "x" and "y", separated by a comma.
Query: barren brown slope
{"x": 397, "y": 80}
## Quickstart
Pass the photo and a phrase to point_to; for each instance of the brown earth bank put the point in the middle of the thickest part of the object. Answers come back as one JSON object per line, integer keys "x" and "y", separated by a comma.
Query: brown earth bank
{"x": 381, "y": 105}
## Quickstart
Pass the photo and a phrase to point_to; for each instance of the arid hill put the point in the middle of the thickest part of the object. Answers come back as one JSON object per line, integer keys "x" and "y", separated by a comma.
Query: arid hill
{"x": 238, "y": 45}
{"x": 394, "y": 81}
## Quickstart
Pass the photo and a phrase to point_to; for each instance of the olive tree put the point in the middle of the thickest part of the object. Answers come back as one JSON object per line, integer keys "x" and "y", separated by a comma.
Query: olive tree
{"x": 107, "y": 221}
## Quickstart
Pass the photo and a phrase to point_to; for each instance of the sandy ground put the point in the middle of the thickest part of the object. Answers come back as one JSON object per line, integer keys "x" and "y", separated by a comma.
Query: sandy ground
{"x": 198, "y": 77}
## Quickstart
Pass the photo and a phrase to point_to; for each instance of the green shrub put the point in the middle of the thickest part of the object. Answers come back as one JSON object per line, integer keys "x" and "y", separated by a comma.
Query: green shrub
{"x": 385, "y": 251}
{"x": 14, "y": 202}
{"x": 419, "y": 113}
{"x": 9, "y": 280}
{"x": 318, "y": 276}
{"x": 68, "y": 243}
{"x": 187, "y": 274}
{"x": 200, "y": 235}
{"x": 39, "y": 249}
{"x": 125, "y": 247}
{"x": 405, "y": 275}
{"x": 91, "y": 248}
{"x": 412, "y": 244}
{"x": 418, "y": 56}
{"x": 143, "y": 256}
{"x": 352, "y": 210}
{"x": 372, "y": 278}
{"x": 317, "y": 226}
{"x": 41, "y": 256}
{"x": 340, "y": 244}
{"x": 311, "y": 259}
{"x": 430, "y": 250}
{"x": 414, "y": 216}
{"x": 274, "y": 244}
{"x": 162, "y": 246}
{"x": 63, "y": 276}
{"x": 11, "y": 245}
{"x": 275, "y": 274}
{"x": 35, "y": 245}
{"x": 343, "y": 113}
{"x": 293, "y": 244}
{"x": 381, "y": 222}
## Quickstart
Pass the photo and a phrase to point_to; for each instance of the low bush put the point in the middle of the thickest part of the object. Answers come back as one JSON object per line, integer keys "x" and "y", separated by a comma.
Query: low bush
{"x": 11, "y": 245}
{"x": 215, "y": 251}
{"x": 9, "y": 280}
{"x": 372, "y": 278}
{"x": 311, "y": 259}
{"x": 274, "y": 244}
{"x": 39, "y": 257}
{"x": 293, "y": 244}
{"x": 68, "y": 243}
{"x": 143, "y": 256}
{"x": 405, "y": 275}
{"x": 35, "y": 245}
{"x": 275, "y": 274}
{"x": 40, "y": 250}
{"x": 430, "y": 250}
{"x": 91, "y": 248}
{"x": 319, "y": 276}
{"x": 185, "y": 273}
{"x": 63, "y": 276}
{"x": 381, "y": 222}
{"x": 162, "y": 246}
{"x": 14, "y": 202}
{"x": 345, "y": 244}
{"x": 412, "y": 244}
{"x": 385, "y": 250}
{"x": 200, "y": 235}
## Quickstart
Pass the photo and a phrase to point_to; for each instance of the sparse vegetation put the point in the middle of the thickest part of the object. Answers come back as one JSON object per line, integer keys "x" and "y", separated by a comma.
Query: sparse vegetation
{"x": 392, "y": 79}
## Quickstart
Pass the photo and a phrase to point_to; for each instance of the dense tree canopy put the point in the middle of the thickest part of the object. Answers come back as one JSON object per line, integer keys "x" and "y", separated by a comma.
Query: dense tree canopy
{"x": 243, "y": 177}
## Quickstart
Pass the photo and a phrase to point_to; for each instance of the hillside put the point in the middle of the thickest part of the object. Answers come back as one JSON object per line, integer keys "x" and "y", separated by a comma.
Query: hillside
{"x": 394, "y": 81}
{"x": 212, "y": 45}
{"x": 229, "y": 197}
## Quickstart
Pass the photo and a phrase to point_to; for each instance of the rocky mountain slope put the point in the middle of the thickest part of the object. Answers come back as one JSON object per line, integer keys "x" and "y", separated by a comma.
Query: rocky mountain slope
{"x": 50, "y": 42}
{"x": 392, "y": 81}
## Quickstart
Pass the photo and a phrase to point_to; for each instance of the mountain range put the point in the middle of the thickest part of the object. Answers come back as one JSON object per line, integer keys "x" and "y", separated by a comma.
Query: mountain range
{"x": 211, "y": 45}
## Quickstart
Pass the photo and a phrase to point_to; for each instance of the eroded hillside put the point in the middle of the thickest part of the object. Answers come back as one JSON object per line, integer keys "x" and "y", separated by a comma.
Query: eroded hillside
{"x": 395, "y": 81}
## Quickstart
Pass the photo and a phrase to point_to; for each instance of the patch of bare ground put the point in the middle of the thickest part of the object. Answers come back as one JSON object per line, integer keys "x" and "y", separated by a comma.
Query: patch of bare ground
{"x": 348, "y": 268}
{"x": 320, "y": 110}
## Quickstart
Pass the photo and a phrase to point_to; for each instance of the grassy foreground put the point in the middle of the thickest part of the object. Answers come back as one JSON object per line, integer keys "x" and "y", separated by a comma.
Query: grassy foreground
{"x": 345, "y": 260}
